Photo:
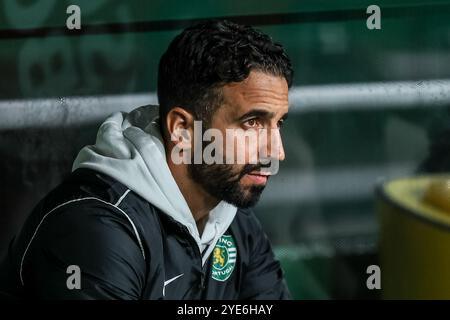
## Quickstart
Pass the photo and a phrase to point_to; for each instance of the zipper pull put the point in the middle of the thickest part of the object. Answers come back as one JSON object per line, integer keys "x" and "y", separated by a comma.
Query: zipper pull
{"x": 201, "y": 286}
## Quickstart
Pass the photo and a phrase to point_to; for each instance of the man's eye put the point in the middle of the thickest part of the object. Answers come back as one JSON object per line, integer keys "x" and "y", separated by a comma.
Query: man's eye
{"x": 280, "y": 123}
{"x": 251, "y": 123}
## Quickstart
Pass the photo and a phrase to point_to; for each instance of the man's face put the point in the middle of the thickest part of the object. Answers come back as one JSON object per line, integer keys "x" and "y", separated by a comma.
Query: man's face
{"x": 255, "y": 106}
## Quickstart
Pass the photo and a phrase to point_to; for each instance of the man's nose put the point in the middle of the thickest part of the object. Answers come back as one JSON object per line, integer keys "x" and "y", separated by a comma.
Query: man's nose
{"x": 275, "y": 145}
{"x": 281, "y": 154}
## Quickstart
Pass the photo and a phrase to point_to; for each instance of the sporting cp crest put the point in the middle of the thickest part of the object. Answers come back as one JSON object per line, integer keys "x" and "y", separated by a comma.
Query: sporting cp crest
{"x": 224, "y": 258}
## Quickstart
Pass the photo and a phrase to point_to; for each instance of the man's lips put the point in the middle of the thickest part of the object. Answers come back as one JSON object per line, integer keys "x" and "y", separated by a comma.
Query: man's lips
{"x": 258, "y": 177}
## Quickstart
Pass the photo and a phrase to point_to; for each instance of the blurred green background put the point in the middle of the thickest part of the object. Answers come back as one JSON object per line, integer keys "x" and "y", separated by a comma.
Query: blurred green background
{"x": 319, "y": 211}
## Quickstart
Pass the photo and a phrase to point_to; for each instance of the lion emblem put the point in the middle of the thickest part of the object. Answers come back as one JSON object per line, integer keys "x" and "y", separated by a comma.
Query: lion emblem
{"x": 218, "y": 257}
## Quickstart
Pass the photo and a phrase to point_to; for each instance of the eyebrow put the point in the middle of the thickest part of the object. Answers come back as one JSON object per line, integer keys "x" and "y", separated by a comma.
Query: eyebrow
{"x": 262, "y": 113}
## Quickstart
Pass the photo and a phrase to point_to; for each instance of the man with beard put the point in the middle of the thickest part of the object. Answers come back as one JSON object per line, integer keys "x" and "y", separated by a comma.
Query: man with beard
{"x": 131, "y": 223}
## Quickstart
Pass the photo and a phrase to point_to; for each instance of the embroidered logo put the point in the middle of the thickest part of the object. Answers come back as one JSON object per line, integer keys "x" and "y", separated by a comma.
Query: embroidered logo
{"x": 224, "y": 258}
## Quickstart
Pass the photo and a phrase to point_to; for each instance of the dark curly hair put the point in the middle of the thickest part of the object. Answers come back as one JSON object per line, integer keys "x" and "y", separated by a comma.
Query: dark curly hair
{"x": 208, "y": 55}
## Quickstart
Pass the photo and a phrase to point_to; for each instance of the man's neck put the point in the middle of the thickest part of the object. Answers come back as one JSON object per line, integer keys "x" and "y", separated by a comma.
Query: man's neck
{"x": 199, "y": 201}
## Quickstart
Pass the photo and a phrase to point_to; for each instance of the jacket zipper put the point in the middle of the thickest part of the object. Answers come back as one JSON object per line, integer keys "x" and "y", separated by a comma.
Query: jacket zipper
{"x": 199, "y": 256}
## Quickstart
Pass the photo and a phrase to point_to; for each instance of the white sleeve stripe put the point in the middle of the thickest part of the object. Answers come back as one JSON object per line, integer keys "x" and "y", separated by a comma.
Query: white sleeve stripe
{"x": 76, "y": 200}
{"x": 122, "y": 197}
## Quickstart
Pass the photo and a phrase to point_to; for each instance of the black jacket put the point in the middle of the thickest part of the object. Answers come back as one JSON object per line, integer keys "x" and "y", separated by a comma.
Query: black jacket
{"x": 126, "y": 248}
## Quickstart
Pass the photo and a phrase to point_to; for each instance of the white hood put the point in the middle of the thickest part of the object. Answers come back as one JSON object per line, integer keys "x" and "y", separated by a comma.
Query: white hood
{"x": 129, "y": 148}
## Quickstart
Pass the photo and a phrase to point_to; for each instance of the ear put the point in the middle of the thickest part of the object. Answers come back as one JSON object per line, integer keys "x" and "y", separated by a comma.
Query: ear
{"x": 180, "y": 127}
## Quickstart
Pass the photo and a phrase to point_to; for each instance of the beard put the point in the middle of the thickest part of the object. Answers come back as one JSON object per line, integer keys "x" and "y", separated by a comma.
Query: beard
{"x": 222, "y": 181}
